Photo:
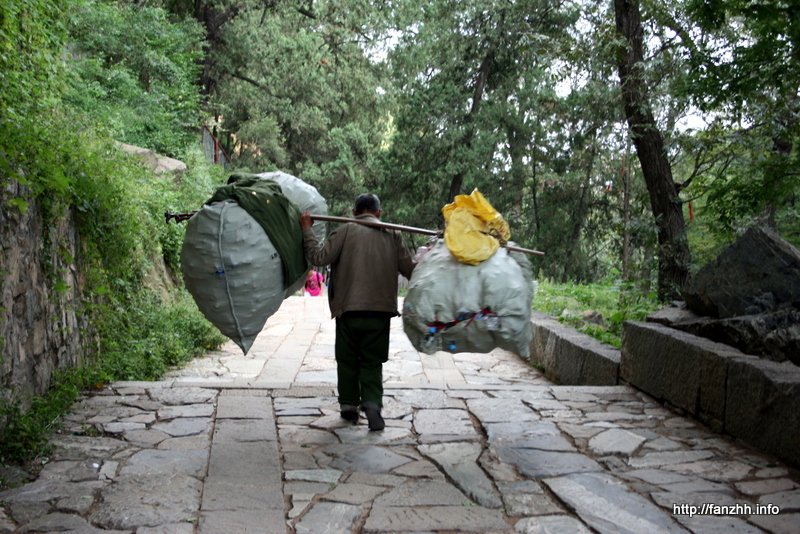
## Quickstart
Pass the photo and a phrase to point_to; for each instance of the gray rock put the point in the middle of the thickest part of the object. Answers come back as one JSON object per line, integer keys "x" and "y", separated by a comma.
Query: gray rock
{"x": 389, "y": 481}
{"x": 143, "y": 404}
{"x": 364, "y": 458}
{"x": 671, "y": 315}
{"x": 183, "y": 395}
{"x": 460, "y": 462}
{"x": 198, "y": 441}
{"x": 330, "y": 476}
{"x": 184, "y": 426}
{"x": 395, "y": 409}
{"x": 697, "y": 486}
{"x": 660, "y": 459}
{"x": 77, "y": 504}
{"x": 427, "y": 399}
{"x": 293, "y": 460}
{"x": 119, "y": 428}
{"x": 715, "y": 470}
{"x": 420, "y": 469}
{"x": 173, "y": 528}
{"x": 246, "y": 460}
{"x": 534, "y": 463}
{"x": 384, "y": 520}
{"x": 668, "y": 500}
{"x": 787, "y": 501}
{"x": 662, "y": 445}
{"x": 245, "y": 407}
{"x": 766, "y": 486}
{"x": 56, "y": 522}
{"x": 187, "y": 410}
{"x": 615, "y": 441}
{"x": 133, "y": 501}
{"x": 25, "y": 512}
{"x": 445, "y": 422}
{"x": 154, "y": 461}
{"x": 354, "y": 493}
{"x": 759, "y": 272}
{"x": 242, "y": 521}
{"x": 145, "y": 438}
{"x": 551, "y": 524}
{"x": 244, "y": 430}
{"x": 657, "y": 477}
{"x": 329, "y": 518}
{"x": 423, "y": 493}
{"x": 537, "y": 435}
{"x": 233, "y": 493}
{"x": 501, "y": 410}
{"x": 607, "y": 506}
{"x": 773, "y": 336}
{"x": 527, "y": 498}
{"x": 85, "y": 447}
{"x": 361, "y": 435}
{"x": 777, "y": 524}
{"x": 45, "y": 490}
{"x": 305, "y": 436}
{"x": 709, "y": 524}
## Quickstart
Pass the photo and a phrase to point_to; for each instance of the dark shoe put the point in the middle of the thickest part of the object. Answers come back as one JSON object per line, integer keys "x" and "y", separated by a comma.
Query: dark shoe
{"x": 373, "y": 413}
{"x": 349, "y": 412}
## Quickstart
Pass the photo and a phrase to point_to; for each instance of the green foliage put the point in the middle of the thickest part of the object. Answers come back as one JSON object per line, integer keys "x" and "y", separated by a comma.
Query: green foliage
{"x": 614, "y": 300}
{"x": 23, "y": 433}
{"x": 134, "y": 70}
{"x": 31, "y": 68}
{"x": 141, "y": 336}
{"x": 296, "y": 91}
{"x": 60, "y": 151}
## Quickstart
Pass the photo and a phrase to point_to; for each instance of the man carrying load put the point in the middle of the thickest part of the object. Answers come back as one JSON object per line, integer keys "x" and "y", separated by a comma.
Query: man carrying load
{"x": 362, "y": 295}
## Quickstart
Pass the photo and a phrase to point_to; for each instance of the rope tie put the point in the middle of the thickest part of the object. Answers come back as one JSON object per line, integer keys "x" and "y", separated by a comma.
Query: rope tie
{"x": 495, "y": 233}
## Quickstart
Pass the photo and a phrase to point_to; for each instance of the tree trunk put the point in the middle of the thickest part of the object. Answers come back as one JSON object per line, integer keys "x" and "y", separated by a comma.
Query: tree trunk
{"x": 477, "y": 95}
{"x": 673, "y": 254}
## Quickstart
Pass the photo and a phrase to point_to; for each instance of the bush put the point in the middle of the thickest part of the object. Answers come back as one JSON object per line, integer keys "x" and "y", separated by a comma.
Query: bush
{"x": 614, "y": 300}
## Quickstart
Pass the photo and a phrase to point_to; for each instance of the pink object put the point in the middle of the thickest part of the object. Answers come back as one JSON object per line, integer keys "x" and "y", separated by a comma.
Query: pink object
{"x": 314, "y": 283}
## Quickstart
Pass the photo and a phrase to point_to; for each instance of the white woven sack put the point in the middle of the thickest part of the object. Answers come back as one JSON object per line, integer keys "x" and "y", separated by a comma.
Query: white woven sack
{"x": 443, "y": 291}
{"x": 231, "y": 268}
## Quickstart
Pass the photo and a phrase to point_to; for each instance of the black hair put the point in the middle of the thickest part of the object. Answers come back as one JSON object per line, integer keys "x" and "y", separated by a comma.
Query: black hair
{"x": 367, "y": 203}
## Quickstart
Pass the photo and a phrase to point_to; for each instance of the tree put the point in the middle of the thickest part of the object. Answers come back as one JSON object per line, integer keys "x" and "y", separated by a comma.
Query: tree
{"x": 135, "y": 71}
{"x": 745, "y": 74}
{"x": 673, "y": 256}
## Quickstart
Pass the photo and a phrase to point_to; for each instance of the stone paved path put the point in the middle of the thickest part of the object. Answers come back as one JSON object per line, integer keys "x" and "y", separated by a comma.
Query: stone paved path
{"x": 474, "y": 443}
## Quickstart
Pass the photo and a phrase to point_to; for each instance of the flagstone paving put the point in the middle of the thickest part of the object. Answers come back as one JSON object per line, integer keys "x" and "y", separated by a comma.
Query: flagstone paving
{"x": 473, "y": 443}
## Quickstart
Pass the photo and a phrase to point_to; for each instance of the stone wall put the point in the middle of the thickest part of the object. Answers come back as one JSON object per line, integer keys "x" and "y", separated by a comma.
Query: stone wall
{"x": 747, "y": 397}
{"x": 40, "y": 328}
{"x": 571, "y": 357}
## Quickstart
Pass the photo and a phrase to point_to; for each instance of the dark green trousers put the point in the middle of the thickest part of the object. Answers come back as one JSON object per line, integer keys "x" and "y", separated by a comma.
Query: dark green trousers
{"x": 362, "y": 346}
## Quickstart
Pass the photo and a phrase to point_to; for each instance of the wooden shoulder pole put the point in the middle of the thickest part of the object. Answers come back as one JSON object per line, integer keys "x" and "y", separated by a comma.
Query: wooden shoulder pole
{"x": 403, "y": 228}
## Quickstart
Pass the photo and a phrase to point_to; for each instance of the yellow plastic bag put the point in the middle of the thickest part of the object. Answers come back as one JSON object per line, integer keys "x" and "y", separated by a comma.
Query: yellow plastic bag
{"x": 473, "y": 228}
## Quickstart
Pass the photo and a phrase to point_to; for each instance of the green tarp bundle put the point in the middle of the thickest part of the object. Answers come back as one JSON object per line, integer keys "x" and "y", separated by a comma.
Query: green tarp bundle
{"x": 276, "y": 213}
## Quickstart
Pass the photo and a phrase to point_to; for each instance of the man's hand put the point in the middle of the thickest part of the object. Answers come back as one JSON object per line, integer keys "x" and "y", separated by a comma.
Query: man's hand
{"x": 305, "y": 220}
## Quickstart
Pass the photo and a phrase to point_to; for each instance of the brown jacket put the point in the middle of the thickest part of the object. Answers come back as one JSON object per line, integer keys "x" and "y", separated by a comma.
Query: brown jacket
{"x": 364, "y": 265}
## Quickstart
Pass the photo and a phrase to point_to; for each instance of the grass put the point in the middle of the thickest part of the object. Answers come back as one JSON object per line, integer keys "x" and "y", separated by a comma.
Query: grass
{"x": 613, "y": 300}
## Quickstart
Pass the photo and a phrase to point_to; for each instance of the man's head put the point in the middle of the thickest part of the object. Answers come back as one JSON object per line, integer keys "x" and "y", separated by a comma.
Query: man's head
{"x": 367, "y": 203}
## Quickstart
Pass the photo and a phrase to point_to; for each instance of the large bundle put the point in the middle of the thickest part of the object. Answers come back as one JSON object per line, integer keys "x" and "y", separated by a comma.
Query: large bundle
{"x": 456, "y": 307}
{"x": 232, "y": 268}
